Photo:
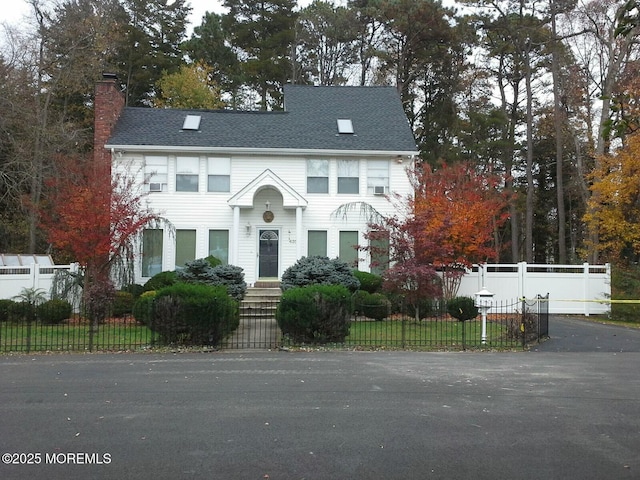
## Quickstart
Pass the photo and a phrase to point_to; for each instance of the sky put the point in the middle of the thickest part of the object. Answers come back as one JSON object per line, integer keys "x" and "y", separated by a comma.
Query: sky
{"x": 13, "y": 11}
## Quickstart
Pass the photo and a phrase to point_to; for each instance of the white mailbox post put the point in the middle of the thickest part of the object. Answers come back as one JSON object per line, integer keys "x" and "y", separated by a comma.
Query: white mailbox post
{"x": 483, "y": 300}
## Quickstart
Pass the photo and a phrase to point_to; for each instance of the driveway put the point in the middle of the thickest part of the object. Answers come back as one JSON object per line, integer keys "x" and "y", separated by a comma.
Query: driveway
{"x": 571, "y": 334}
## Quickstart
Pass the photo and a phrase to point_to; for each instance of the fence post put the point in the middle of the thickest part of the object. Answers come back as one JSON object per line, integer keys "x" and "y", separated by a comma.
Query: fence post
{"x": 585, "y": 287}
{"x": 523, "y": 322}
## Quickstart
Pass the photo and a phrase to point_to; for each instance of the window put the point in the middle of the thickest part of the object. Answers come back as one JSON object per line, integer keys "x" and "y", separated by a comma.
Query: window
{"x": 349, "y": 248}
{"x": 155, "y": 173}
{"x": 219, "y": 245}
{"x": 348, "y": 176}
{"x": 187, "y": 174}
{"x": 317, "y": 243}
{"x": 151, "y": 252}
{"x": 185, "y": 247}
{"x": 219, "y": 179}
{"x": 379, "y": 248}
{"x": 317, "y": 176}
{"x": 377, "y": 177}
{"x": 191, "y": 122}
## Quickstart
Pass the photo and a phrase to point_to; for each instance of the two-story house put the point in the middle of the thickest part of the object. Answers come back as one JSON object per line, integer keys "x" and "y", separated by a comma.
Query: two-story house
{"x": 260, "y": 189}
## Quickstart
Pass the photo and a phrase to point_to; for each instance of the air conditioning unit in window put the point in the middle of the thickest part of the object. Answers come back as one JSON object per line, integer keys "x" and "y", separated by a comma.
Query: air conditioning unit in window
{"x": 378, "y": 190}
{"x": 155, "y": 187}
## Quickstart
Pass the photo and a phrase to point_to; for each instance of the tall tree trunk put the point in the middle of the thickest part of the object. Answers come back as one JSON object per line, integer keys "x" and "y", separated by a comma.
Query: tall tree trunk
{"x": 530, "y": 187}
{"x": 558, "y": 117}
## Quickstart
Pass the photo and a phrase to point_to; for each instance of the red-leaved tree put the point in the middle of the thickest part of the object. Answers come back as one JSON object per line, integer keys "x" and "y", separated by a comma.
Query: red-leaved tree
{"x": 462, "y": 208}
{"x": 96, "y": 218}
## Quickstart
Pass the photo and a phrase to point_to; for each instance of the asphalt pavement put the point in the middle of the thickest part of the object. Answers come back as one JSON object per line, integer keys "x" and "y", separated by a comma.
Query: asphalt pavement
{"x": 551, "y": 413}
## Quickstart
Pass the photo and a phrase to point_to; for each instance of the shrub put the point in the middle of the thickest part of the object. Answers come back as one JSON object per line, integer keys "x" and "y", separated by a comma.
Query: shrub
{"x": 134, "y": 289}
{"x": 54, "y": 311}
{"x": 5, "y": 307}
{"x": 194, "y": 314}
{"x": 369, "y": 282}
{"x": 376, "y": 306}
{"x": 160, "y": 280}
{"x": 213, "y": 261}
{"x": 201, "y": 271}
{"x": 22, "y": 311}
{"x": 316, "y": 270}
{"x": 142, "y": 308}
{"x": 625, "y": 285}
{"x": 462, "y": 308}
{"x": 315, "y": 313}
{"x": 122, "y": 303}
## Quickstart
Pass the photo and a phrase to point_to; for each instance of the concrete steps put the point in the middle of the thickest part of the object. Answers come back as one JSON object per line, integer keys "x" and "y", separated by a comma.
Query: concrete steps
{"x": 258, "y": 328}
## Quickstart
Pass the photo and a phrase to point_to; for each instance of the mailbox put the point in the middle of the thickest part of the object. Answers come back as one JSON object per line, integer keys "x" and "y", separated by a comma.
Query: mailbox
{"x": 483, "y": 298}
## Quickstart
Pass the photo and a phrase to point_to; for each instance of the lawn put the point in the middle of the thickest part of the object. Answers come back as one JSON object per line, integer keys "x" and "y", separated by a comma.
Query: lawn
{"x": 21, "y": 337}
{"x": 427, "y": 333}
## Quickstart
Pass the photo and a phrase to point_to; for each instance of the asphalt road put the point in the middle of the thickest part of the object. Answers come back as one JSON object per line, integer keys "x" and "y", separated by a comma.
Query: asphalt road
{"x": 543, "y": 414}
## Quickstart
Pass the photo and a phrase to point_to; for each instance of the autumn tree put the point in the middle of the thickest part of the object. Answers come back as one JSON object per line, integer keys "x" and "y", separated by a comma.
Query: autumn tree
{"x": 460, "y": 209}
{"x": 97, "y": 223}
{"x": 614, "y": 207}
{"x": 189, "y": 88}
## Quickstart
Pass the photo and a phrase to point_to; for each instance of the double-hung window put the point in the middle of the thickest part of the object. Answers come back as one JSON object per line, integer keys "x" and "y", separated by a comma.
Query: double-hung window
{"x": 219, "y": 245}
{"x": 317, "y": 176}
{"x": 348, "y": 176}
{"x": 317, "y": 243}
{"x": 219, "y": 174}
{"x": 187, "y": 169}
{"x": 377, "y": 177}
{"x": 155, "y": 173}
{"x": 185, "y": 247}
{"x": 348, "y": 245}
{"x": 151, "y": 252}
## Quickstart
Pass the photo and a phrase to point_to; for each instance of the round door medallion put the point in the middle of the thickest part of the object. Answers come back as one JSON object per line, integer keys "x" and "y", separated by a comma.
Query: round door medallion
{"x": 268, "y": 216}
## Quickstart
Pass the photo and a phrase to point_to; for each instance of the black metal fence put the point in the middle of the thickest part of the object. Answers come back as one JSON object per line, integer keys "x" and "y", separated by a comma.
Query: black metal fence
{"x": 506, "y": 325}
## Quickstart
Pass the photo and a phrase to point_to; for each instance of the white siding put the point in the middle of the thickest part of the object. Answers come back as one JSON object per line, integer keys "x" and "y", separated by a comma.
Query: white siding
{"x": 205, "y": 210}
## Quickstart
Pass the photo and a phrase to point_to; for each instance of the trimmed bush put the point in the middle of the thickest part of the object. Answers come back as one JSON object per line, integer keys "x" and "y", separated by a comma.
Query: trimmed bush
{"x": 315, "y": 313}
{"x": 213, "y": 261}
{"x": 54, "y": 311}
{"x": 369, "y": 282}
{"x": 22, "y": 311}
{"x": 376, "y": 306}
{"x": 316, "y": 270}
{"x": 122, "y": 304}
{"x": 5, "y": 306}
{"x": 201, "y": 271}
{"x": 462, "y": 308}
{"x": 194, "y": 314}
{"x": 134, "y": 289}
{"x": 143, "y": 307}
{"x": 160, "y": 280}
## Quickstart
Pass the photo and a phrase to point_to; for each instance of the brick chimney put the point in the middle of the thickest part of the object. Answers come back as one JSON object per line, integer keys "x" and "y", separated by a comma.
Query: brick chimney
{"x": 108, "y": 105}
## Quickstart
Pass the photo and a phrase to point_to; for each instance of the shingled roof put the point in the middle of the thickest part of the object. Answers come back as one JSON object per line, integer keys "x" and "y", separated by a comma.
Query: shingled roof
{"x": 309, "y": 122}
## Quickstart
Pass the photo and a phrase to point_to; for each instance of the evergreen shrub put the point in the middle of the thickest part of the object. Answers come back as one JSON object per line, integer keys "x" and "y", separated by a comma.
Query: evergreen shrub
{"x": 376, "y": 306}
{"x": 194, "y": 314}
{"x": 201, "y": 271}
{"x": 142, "y": 308}
{"x": 122, "y": 303}
{"x": 369, "y": 282}
{"x": 317, "y": 270}
{"x": 5, "y": 307}
{"x": 462, "y": 308}
{"x": 160, "y": 280}
{"x": 315, "y": 314}
{"x": 54, "y": 311}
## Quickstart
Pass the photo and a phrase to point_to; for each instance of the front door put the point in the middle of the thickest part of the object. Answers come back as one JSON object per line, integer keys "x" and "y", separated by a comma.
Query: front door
{"x": 268, "y": 254}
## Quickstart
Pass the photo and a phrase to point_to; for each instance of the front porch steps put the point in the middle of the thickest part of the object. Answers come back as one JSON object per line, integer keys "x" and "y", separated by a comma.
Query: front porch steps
{"x": 258, "y": 328}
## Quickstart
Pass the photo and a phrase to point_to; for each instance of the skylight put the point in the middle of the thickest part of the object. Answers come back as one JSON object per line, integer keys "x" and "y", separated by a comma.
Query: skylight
{"x": 191, "y": 122}
{"x": 345, "y": 125}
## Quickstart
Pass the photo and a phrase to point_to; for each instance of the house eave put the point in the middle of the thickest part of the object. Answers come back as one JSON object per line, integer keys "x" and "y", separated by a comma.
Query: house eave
{"x": 287, "y": 152}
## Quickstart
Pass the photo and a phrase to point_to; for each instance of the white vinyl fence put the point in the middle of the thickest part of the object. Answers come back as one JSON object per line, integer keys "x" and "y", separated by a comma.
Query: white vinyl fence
{"x": 14, "y": 279}
{"x": 573, "y": 289}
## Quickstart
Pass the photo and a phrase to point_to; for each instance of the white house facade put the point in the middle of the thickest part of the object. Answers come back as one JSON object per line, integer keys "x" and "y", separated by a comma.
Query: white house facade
{"x": 261, "y": 189}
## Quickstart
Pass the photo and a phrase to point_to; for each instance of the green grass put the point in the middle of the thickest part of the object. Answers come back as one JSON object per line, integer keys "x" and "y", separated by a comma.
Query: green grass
{"x": 110, "y": 336}
{"x": 435, "y": 333}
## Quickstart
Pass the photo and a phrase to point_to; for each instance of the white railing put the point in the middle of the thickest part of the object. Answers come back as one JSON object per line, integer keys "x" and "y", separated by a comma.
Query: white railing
{"x": 573, "y": 289}
{"x": 14, "y": 279}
